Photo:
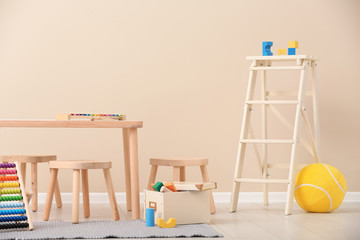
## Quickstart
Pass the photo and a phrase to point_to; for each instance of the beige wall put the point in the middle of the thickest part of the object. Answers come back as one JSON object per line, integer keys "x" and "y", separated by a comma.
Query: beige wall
{"x": 180, "y": 67}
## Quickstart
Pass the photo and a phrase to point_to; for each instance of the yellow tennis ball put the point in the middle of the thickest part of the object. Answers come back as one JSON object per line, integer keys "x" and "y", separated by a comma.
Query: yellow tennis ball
{"x": 320, "y": 188}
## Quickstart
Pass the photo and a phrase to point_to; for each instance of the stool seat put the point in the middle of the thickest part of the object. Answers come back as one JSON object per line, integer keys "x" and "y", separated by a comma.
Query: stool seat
{"x": 180, "y": 162}
{"x": 80, "y": 164}
{"x": 28, "y": 158}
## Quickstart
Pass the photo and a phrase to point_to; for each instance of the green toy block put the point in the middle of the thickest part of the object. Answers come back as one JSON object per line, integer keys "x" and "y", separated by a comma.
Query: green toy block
{"x": 158, "y": 186}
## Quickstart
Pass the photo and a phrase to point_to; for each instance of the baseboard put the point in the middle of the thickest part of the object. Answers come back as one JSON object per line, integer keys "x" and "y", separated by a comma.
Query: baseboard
{"x": 219, "y": 197}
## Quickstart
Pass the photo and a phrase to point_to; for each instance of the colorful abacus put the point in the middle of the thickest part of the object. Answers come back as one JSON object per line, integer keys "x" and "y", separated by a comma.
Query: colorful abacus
{"x": 90, "y": 116}
{"x": 14, "y": 209}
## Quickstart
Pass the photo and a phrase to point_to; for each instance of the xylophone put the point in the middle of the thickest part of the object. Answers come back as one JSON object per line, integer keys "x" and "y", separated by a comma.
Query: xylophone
{"x": 90, "y": 116}
{"x": 14, "y": 208}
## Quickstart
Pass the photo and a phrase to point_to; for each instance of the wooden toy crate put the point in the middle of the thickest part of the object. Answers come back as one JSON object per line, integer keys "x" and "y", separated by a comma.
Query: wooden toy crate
{"x": 187, "y": 207}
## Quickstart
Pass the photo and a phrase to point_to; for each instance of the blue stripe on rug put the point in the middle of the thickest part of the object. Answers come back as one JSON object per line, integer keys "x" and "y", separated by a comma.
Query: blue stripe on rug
{"x": 108, "y": 229}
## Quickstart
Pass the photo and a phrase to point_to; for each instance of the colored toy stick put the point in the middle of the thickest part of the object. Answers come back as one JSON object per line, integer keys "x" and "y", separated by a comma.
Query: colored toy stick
{"x": 9, "y": 185}
{"x": 266, "y": 48}
{"x": 90, "y": 116}
{"x": 291, "y": 51}
{"x": 158, "y": 186}
{"x": 170, "y": 186}
{"x": 150, "y": 217}
{"x": 169, "y": 224}
{"x": 293, "y": 44}
{"x": 281, "y": 51}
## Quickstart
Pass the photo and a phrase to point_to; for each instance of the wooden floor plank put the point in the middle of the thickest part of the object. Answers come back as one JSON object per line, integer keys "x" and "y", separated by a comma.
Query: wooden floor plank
{"x": 237, "y": 225}
{"x": 251, "y": 221}
{"x": 335, "y": 225}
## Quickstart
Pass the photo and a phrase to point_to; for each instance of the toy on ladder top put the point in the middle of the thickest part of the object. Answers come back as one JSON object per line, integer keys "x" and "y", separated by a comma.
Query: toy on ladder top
{"x": 90, "y": 116}
{"x": 14, "y": 207}
{"x": 266, "y": 48}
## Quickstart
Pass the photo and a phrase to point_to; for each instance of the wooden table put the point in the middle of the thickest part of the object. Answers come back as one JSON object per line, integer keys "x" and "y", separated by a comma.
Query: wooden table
{"x": 130, "y": 141}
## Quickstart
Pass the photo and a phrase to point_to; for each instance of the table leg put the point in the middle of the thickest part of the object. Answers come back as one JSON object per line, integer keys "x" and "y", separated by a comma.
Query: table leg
{"x": 127, "y": 167}
{"x": 134, "y": 172}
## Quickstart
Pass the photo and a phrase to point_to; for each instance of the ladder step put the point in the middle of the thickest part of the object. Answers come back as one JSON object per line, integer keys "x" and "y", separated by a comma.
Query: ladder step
{"x": 272, "y": 102}
{"x": 253, "y": 180}
{"x": 265, "y": 141}
{"x": 286, "y": 93}
{"x": 285, "y": 165}
{"x": 277, "y": 68}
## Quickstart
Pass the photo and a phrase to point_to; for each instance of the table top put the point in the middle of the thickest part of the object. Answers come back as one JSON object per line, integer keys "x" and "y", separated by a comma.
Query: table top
{"x": 52, "y": 123}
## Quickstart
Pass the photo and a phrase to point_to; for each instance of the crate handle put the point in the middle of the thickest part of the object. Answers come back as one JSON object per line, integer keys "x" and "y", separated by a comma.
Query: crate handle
{"x": 152, "y": 205}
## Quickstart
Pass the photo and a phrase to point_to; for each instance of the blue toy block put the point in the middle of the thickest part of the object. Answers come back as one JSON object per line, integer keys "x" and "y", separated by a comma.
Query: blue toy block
{"x": 150, "y": 217}
{"x": 266, "y": 48}
{"x": 291, "y": 51}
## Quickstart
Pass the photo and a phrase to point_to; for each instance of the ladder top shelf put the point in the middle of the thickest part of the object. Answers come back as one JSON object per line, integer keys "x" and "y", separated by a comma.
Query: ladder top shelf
{"x": 282, "y": 57}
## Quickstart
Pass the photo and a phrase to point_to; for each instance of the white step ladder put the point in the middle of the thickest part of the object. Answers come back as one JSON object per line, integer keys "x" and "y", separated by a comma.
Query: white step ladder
{"x": 300, "y": 63}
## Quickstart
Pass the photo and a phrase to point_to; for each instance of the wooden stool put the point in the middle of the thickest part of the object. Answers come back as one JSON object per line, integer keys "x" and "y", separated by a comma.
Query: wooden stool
{"x": 33, "y": 160}
{"x": 76, "y": 166}
{"x": 179, "y": 171}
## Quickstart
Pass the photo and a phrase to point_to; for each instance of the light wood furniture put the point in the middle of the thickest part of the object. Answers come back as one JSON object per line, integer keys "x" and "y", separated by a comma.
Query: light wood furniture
{"x": 130, "y": 146}
{"x": 179, "y": 171}
{"x": 262, "y": 64}
{"x": 82, "y": 166}
{"x": 33, "y": 160}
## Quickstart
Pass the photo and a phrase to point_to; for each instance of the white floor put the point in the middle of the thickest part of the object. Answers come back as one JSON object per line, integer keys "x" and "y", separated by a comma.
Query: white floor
{"x": 253, "y": 221}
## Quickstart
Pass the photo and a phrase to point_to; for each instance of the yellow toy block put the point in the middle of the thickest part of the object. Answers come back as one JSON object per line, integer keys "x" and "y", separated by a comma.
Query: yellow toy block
{"x": 293, "y": 44}
{"x": 169, "y": 224}
{"x": 281, "y": 51}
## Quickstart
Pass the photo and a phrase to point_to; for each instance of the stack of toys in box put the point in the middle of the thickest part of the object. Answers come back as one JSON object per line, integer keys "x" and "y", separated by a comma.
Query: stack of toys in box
{"x": 178, "y": 202}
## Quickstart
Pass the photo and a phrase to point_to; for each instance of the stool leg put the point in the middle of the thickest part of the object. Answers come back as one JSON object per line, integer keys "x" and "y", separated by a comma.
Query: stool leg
{"x": 152, "y": 176}
{"x": 75, "y": 197}
{"x": 176, "y": 174}
{"x": 182, "y": 174}
{"x": 50, "y": 193}
{"x": 34, "y": 187}
{"x": 206, "y": 178}
{"x": 111, "y": 193}
{"x": 23, "y": 173}
{"x": 85, "y": 190}
{"x": 58, "y": 195}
